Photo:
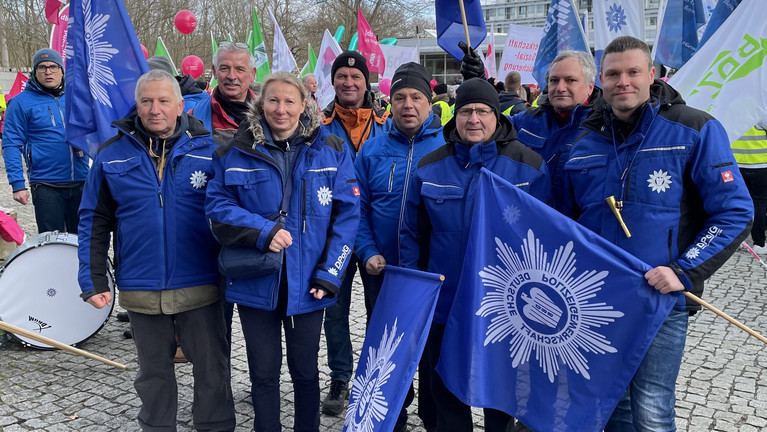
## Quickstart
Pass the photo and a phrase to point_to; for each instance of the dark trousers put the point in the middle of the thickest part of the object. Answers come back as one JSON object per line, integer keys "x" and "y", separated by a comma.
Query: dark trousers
{"x": 56, "y": 207}
{"x": 262, "y": 330}
{"x": 202, "y": 338}
{"x": 452, "y": 414}
{"x": 756, "y": 182}
{"x": 339, "y": 344}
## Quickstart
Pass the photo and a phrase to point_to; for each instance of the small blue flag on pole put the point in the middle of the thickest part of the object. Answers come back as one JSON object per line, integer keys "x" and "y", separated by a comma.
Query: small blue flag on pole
{"x": 722, "y": 11}
{"x": 677, "y": 37}
{"x": 562, "y": 31}
{"x": 450, "y": 25}
{"x": 104, "y": 61}
{"x": 550, "y": 321}
{"x": 393, "y": 346}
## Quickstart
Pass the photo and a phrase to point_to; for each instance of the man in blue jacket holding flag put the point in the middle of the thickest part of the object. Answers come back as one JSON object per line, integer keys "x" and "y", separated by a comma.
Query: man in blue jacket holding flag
{"x": 34, "y": 132}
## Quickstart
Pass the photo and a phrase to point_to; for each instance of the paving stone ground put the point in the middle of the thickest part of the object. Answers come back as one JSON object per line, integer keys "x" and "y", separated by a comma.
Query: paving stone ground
{"x": 722, "y": 385}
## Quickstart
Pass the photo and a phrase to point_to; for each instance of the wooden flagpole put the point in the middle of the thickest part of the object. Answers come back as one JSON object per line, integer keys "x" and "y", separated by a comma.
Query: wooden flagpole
{"x": 56, "y": 344}
{"x": 732, "y": 320}
{"x": 465, "y": 25}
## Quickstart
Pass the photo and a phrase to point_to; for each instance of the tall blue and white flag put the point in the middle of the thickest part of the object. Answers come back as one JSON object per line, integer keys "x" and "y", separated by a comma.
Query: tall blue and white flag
{"x": 550, "y": 321}
{"x": 677, "y": 36}
{"x": 282, "y": 58}
{"x": 722, "y": 11}
{"x": 104, "y": 61}
{"x": 393, "y": 346}
{"x": 613, "y": 18}
{"x": 450, "y": 25}
{"x": 561, "y": 32}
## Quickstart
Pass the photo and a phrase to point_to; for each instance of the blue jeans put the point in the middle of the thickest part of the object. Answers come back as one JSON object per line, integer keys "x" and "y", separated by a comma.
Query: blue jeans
{"x": 56, "y": 207}
{"x": 648, "y": 404}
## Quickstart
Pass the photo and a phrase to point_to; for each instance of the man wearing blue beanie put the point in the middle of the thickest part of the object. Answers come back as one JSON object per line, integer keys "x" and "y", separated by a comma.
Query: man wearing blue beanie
{"x": 34, "y": 132}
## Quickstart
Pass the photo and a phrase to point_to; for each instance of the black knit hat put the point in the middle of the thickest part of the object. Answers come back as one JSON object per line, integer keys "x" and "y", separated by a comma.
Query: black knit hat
{"x": 351, "y": 59}
{"x": 411, "y": 75}
{"x": 440, "y": 89}
{"x": 477, "y": 90}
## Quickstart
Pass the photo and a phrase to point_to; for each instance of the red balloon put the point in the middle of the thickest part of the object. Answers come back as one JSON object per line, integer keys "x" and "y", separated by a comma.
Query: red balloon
{"x": 145, "y": 51}
{"x": 185, "y": 21}
{"x": 385, "y": 86}
{"x": 433, "y": 83}
{"x": 192, "y": 65}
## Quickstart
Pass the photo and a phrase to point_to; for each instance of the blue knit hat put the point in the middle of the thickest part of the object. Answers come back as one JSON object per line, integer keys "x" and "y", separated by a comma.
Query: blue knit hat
{"x": 47, "y": 54}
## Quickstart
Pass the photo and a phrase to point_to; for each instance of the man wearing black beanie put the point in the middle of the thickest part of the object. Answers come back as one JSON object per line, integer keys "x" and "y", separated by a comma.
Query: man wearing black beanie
{"x": 353, "y": 117}
{"x": 439, "y": 192}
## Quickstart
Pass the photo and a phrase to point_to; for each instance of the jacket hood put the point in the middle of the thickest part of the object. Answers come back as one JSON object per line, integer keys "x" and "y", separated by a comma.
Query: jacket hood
{"x": 309, "y": 121}
{"x": 504, "y": 132}
{"x": 188, "y": 85}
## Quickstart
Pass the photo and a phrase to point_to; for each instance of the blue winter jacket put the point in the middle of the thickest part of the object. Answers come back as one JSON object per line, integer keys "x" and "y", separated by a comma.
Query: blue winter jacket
{"x": 378, "y": 122}
{"x": 34, "y": 130}
{"x": 162, "y": 239}
{"x": 542, "y": 129}
{"x": 684, "y": 200}
{"x": 441, "y": 196}
{"x": 322, "y": 214}
{"x": 384, "y": 167}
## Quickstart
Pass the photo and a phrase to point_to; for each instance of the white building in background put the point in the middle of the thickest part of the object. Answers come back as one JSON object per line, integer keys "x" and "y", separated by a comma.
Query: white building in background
{"x": 501, "y": 13}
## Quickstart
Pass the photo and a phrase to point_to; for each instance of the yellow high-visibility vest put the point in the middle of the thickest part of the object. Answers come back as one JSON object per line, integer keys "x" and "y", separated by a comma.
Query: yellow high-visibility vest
{"x": 446, "y": 114}
{"x": 750, "y": 150}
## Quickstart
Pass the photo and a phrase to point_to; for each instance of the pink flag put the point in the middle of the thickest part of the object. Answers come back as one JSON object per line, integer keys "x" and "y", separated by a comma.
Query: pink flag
{"x": 52, "y": 10}
{"x": 18, "y": 85}
{"x": 368, "y": 45}
{"x": 59, "y": 32}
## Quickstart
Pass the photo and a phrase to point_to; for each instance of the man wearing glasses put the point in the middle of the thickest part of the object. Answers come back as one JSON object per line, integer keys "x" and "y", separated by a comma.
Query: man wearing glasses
{"x": 435, "y": 217}
{"x": 34, "y": 131}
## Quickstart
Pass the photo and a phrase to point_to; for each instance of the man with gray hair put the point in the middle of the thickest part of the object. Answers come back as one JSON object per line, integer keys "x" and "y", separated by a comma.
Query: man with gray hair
{"x": 552, "y": 126}
{"x": 147, "y": 188}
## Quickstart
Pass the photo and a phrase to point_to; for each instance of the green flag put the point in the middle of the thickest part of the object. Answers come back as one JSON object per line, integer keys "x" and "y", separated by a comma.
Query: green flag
{"x": 311, "y": 63}
{"x": 161, "y": 50}
{"x": 214, "y": 50}
{"x": 256, "y": 43}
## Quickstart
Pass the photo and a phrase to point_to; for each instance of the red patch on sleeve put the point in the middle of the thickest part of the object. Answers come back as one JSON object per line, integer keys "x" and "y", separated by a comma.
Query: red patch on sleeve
{"x": 727, "y": 177}
{"x": 356, "y": 191}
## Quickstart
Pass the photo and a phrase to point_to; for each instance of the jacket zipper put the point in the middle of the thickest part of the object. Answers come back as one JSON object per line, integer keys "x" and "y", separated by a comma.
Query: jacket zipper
{"x": 404, "y": 198}
{"x": 670, "y": 238}
{"x": 53, "y": 120}
{"x": 303, "y": 205}
{"x": 391, "y": 175}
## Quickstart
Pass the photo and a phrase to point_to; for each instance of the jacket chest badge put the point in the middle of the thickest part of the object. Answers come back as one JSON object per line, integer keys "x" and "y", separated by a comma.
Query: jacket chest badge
{"x": 659, "y": 181}
{"x": 198, "y": 179}
{"x": 324, "y": 195}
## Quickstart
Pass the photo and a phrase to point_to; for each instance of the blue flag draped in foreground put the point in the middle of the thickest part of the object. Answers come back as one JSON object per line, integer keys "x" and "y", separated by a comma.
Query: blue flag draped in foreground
{"x": 677, "y": 37}
{"x": 104, "y": 61}
{"x": 561, "y": 32}
{"x": 393, "y": 345}
{"x": 550, "y": 321}
{"x": 722, "y": 11}
{"x": 450, "y": 25}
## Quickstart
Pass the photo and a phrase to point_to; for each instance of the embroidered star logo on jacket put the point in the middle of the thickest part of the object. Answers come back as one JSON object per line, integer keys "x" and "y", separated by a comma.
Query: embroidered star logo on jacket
{"x": 198, "y": 179}
{"x": 659, "y": 181}
{"x": 324, "y": 195}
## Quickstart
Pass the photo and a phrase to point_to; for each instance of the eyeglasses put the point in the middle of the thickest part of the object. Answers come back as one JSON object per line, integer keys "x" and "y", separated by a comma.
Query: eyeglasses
{"x": 238, "y": 45}
{"x": 467, "y": 112}
{"x": 52, "y": 68}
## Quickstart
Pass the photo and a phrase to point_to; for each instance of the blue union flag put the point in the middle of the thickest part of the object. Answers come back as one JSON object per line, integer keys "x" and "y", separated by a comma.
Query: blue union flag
{"x": 104, "y": 61}
{"x": 393, "y": 346}
{"x": 561, "y": 32}
{"x": 550, "y": 321}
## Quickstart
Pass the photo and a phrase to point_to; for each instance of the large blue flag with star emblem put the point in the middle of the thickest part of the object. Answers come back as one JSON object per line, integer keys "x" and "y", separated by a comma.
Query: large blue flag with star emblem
{"x": 104, "y": 61}
{"x": 393, "y": 346}
{"x": 562, "y": 31}
{"x": 550, "y": 321}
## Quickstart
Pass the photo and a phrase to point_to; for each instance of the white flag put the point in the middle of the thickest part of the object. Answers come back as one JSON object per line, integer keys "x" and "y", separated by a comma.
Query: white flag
{"x": 396, "y": 56}
{"x": 282, "y": 58}
{"x": 613, "y": 18}
{"x": 492, "y": 70}
{"x": 329, "y": 50}
{"x": 728, "y": 79}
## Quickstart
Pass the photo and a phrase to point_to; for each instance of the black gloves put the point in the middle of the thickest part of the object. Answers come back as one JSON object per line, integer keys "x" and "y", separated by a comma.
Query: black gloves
{"x": 471, "y": 64}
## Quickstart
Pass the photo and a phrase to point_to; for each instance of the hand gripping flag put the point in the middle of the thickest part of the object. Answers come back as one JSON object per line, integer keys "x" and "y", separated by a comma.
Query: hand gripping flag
{"x": 561, "y": 32}
{"x": 450, "y": 25}
{"x": 728, "y": 79}
{"x": 550, "y": 321}
{"x": 104, "y": 61}
{"x": 368, "y": 45}
{"x": 393, "y": 346}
